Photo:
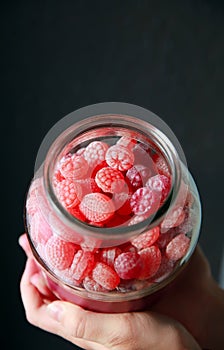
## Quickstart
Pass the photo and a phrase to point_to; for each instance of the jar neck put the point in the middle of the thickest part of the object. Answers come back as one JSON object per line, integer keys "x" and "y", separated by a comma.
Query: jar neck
{"x": 111, "y": 126}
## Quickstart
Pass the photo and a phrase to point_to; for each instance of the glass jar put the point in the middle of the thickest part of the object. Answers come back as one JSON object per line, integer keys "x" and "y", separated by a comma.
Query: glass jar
{"x": 112, "y": 214}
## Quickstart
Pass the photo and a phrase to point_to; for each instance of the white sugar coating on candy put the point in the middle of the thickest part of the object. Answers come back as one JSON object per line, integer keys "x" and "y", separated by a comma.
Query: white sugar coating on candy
{"x": 105, "y": 276}
{"x": 64, "y": 232}
{"x": 59, "y": 254}
{"x": 92, "y": 286}
{"x": 40, "y": 230}
{"x": 119, "y": 157}
{"x": 110, "y": 180}
{"x": 75, "y": 167}
{"x": 127, "y": 142}
{"x": 137, "y": 175}
{"x": 150, "y": 258}
{"x": 160, "y": 183}
{"x": 145, "y": 201}
{"x": 97, "y": 207}
{"x": 177, "y": 247}
{"x": 82, "y": 264}
{"x": 136, "y": 219}
{"x": 162, "y": 167}
{"x": 69, "y": 193}
{"x": 147, "y": 238}
{"x": 95, "y": 152}
{"x": 174, "y": 217}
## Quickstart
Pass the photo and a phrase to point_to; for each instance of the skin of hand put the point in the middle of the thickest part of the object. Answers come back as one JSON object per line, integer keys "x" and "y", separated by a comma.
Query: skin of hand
{"x": 190, "y": 313}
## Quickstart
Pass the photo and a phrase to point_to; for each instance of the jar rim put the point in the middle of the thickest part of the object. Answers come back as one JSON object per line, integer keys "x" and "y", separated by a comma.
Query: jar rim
{"x": 112, "y": 120}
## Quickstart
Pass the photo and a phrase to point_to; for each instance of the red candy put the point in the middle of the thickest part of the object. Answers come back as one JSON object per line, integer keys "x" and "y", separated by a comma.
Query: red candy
{"x": 178, "y": 247}
{"x": 119, "y": 157}
{"x": 40, "y": 229}
{"x": 137, "y": 175}
{"x": 97, "y": 207}
{"x": 110, "y": 180}
{"x": 75, "y": 167}
{"x": 69, "y": 193}
{"x": 150, "y": 260}
{"x": 107, "y": 186}
{"x": 95, "y": 152}
{"x": 145, "y": 201}
{"x": 105, "y": 276}
{"x": 161, "y": 184}
{"x": 108, "y": 255}
{"x": 82, "y": 264}
{"x": 59, "y": 254}
{"x": 147, "y": 238}
{"x": 92, "y": 286}
{"x": 127, "y": 265}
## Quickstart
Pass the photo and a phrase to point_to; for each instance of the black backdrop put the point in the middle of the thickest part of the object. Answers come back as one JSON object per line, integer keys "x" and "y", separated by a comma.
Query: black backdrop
{"x": 57, "y": 56}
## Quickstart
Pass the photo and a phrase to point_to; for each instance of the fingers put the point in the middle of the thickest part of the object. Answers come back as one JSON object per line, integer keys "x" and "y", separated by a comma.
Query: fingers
{"x": 131, "y": 331}
{"x": 24, "y": 243}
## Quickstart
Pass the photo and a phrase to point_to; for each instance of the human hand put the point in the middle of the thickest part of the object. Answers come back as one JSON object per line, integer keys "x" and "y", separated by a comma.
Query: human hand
{"x": 136, "y": 330}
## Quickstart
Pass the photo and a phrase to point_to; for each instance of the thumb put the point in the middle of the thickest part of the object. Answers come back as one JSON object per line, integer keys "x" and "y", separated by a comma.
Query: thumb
{"x": 131, "y": 331}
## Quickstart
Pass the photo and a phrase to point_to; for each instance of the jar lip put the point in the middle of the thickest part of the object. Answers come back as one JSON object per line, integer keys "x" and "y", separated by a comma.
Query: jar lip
{"x": 126, "y": 121}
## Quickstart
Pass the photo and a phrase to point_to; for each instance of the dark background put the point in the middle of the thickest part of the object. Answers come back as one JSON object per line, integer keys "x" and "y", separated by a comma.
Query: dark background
{"x": 58, "y": 56}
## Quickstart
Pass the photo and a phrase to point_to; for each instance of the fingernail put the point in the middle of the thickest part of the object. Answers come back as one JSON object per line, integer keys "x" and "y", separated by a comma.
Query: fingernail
{"x": 55, "y": 311}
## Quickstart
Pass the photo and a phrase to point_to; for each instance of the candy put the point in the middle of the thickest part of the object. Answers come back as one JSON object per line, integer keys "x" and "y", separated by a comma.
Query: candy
{"x": 108, "y": 255}
{"x": 147, "y": 238}
{"x": 145, "y": 201}
{"x": 127, "y": 265}
{"x": 69, "y": 193}
{"x": 173, "y": 218}
{"x": 97, "y": 207}
{"x": 177, "y": 247}
{"x": 110, "y": 180}
{"x": 161, "y": 184}
{"x": 150, "y": 259}
{"x": 92, "y": 286}
{"x": 75, "y": 167}
{"x": 40, "y": 230}
{"x": 105, "y": 276}
{"x": 59, "y": 254}
{"x": 119, "y": 157}
{"x": 127, "y": 142}
{"x": 137, "y": 175}
{"x": 95, "y": 152}
{"x": 82, "y": 264}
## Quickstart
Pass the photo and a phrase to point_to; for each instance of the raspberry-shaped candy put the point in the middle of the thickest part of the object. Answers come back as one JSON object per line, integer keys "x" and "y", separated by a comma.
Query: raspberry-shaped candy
{"x": 178, "y": 247}
{"x": 145, "y": 201}
{"x": 119, "y": 157}
{"x": 105, "y": 276}
{"x": 137, "y": 175}
{"x": 97, "y": 207}
{"x": 108, "y": 255}
{"x": 160, "y": 183}
{"x": 127, "y": 265}
{"x": 127, "y": 142}
{"x": 161, "y": 166}
{"x": 59, "y": 254}
{"x": 150, "y": 260}
{"x": 82, "y": 265}
{"x": 110, "y": 180}
{"x": 173, "y": 218}
{"x": 75, "y": 167}
{"x": 147, "y": 238}
{"x": 69, "y": 193}
{"x": 95, "y": 152}
{"x": 40, "y": 230}
{"x": 92, "y": 286}
{"x": 63, "y": 231}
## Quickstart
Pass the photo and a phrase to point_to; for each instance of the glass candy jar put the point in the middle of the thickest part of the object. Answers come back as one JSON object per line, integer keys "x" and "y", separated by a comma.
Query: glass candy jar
{"x": 112, "y": 214}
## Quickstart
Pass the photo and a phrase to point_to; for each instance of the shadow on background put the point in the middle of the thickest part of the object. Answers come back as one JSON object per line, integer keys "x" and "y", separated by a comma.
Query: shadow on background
{"x": 59, "y": 56}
